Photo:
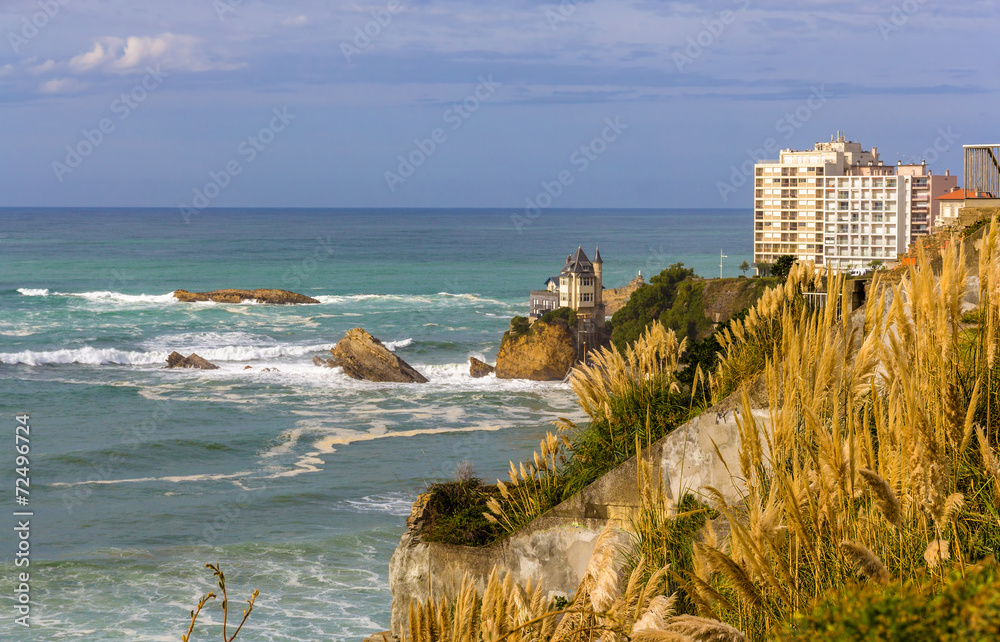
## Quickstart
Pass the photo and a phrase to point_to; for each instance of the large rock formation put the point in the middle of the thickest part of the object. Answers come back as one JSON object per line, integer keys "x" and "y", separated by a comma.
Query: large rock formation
{"x": 324, "y": 363}
{"x": 177, "y": 360}
{"x": 546, "y": 352}
{"x": 362, "y": 356}
{"x": 281, "y": 297}
{"x": 479, "y": 369}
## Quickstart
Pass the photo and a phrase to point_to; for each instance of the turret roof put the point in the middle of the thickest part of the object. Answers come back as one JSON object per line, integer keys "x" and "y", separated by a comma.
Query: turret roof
{"x": 578, "y": 263}
{"x": 597, "y": 256}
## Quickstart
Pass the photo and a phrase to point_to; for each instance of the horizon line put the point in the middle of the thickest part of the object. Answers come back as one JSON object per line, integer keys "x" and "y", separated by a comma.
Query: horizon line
{"x": 350, "y": 207}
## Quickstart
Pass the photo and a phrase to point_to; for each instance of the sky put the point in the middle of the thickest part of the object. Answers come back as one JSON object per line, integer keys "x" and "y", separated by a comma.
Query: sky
{"x": 449, "y": 103}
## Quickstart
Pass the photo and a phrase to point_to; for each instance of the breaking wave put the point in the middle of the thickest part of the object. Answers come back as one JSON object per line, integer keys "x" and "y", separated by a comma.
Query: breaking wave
{"x": 104, "y": 296}
{"x": 112, "y": 356}
{"x": 441, "y": 298}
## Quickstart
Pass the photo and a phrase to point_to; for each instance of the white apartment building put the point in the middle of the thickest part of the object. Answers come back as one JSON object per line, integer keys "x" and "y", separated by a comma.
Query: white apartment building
{"x": 865, "y": 220}
{"x": 790, "y": 198}
{"x": 840, "y": 206}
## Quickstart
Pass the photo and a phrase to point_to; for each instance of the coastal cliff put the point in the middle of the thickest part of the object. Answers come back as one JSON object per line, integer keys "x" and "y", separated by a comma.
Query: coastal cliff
{"x": 545, "y": 351}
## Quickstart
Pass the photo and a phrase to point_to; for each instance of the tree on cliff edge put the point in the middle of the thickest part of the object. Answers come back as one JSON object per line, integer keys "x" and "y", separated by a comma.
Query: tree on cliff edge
{"x": 671, "y": 298}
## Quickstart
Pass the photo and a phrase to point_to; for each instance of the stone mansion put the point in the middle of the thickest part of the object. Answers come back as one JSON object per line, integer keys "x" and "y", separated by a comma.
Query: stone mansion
{"x": 579, "y": 286}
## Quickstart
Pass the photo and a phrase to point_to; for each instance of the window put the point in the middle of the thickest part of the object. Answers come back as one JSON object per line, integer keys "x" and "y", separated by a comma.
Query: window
{"x": 586, "y": 298}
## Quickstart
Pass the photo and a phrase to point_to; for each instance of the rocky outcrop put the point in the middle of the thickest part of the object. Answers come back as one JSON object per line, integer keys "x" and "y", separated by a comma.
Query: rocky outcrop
{"x": 546, "y": 352}
{"x": 324, "y": 363}
{"x": 280, "y": 297}
{"x": 177, "y": 360}
{"x": 479, "y": 369}
{"x": 362, "y": 356}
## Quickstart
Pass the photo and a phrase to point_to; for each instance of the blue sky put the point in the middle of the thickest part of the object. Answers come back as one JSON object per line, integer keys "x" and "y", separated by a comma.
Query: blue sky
{"x": 609, "y": 103}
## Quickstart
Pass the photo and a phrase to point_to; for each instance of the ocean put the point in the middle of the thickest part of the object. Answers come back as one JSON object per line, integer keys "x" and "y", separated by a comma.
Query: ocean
{"x": 297, "y": 480}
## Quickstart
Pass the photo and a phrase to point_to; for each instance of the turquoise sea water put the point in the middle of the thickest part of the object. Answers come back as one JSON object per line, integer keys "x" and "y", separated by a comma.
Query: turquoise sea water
{"x": 298, "y": 480}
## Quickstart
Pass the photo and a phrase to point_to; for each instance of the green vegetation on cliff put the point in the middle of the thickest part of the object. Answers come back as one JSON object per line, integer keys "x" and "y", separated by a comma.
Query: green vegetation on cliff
{"x": 684, "y": 303}
{"x": 671, "y": 298}
{"x": 563, "y": 314}
{"x": 632, "y": 398}
{"x": 455, "y": 512}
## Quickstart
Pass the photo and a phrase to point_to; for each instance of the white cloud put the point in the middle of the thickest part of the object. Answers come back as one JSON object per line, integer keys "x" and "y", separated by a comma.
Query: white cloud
{"x": 295, "y": 21}
{"x": 48, "y": 65}
{"x": 104, "y": 52}
{"x": 60, "y": 86}
{"x": 170, "y": 50}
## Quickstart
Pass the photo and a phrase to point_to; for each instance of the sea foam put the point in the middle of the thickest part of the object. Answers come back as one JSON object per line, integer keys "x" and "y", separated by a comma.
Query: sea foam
{"x": 112, "y": 356}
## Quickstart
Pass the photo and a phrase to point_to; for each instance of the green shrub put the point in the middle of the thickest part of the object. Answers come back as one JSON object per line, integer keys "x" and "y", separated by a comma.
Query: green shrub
{"x": 455, "y": 513}
{"x": 519, "y": 326}
{"x": 972, "y": 317}
{"x": 965, "y": 608}
{"x": 562, "y": 314}
{"x": 667, "y": 298}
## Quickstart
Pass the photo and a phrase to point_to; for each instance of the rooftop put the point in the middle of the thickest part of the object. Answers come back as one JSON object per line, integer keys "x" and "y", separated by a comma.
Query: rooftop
{"x": 578, "y": 263}
{"x": 960, "y": 194}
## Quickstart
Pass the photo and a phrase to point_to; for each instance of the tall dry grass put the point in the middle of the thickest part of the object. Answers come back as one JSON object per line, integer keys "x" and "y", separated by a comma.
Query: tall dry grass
{"x": 873, "y": 464}
{"x": 748, "y": 343}
{"x": 646, "y": 367}
{"x": 608, "y": 605}
{"x": 612, "y": 390}
{"x": 877, "y": 463}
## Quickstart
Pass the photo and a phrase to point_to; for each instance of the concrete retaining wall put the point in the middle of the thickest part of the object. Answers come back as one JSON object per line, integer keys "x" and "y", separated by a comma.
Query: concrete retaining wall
{"x": 556, "y": 547}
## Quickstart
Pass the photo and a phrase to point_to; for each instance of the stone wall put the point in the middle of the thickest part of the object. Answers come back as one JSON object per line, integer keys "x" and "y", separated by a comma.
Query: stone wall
{"x": 556, "y": 547}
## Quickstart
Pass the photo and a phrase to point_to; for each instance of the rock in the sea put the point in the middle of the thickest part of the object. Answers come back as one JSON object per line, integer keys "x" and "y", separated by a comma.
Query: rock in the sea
{"x": 546, "y": 352}
{"x": 479, "y": 369}
{"x": 362, "y": 356}
{"x": 177, "y": 360}
{"x": 324, "y": 363}
{"x": 281, "y": 297}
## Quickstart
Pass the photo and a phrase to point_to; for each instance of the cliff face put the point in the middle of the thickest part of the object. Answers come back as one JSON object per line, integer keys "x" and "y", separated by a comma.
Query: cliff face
{"x": 546, "y": 352}
{"x": 725, "y": 297}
